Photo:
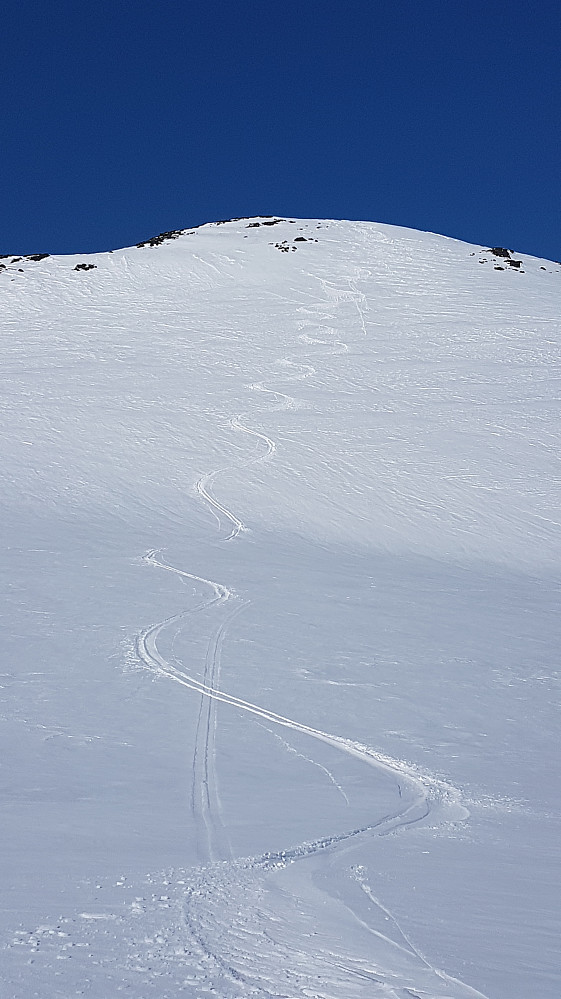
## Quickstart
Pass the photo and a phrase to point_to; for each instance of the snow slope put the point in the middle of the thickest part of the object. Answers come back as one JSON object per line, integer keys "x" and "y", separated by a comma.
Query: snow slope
{"x": 280, "y": 627}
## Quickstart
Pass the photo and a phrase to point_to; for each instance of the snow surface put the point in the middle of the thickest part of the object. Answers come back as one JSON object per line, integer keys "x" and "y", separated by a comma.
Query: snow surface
{"x": 280, "y": 630}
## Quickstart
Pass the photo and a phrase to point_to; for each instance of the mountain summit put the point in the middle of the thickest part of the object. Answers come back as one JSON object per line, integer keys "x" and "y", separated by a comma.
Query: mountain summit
{"x": 281, "y": 506}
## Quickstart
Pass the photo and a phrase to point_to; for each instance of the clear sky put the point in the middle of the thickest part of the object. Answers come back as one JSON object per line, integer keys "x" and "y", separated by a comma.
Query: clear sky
{"x": 123, "y": 118}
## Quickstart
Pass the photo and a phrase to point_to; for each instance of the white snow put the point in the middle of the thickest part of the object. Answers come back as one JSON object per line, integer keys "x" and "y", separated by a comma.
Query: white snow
{"x": 280, "y": 623}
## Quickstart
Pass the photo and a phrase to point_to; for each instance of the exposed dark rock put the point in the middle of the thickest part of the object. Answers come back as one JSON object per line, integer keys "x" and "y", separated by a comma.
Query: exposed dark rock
{"x": 85, "y": 267}
{"x": 497, "y": 268}
{"x": 162, "y": 237}
{"x": 300, "y": 239}
{"x": 515, "y": 263}
{"x": 499, "y": 251}
{"x": 240, "y": 218}
{"x": 16, "y": 260}
{"x": 37, "y": 256}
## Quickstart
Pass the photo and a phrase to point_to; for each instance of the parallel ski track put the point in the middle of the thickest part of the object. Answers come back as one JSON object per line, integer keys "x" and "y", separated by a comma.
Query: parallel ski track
{"x": 212, "y": 838}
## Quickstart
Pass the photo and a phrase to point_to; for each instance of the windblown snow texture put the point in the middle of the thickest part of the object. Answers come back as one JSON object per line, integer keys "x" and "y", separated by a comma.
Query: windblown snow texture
{"x": 280, "y": 688}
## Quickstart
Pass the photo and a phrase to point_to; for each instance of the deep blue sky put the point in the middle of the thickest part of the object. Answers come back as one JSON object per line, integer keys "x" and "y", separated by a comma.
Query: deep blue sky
{"x": 122, "y": 119}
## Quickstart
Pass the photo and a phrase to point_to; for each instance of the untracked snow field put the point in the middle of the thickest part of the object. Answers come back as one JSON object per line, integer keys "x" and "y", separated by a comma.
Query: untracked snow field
{"x": 281, "y": 563}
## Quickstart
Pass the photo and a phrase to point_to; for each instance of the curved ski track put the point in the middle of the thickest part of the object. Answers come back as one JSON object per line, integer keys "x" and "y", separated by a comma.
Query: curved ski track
{"x": 203, "y": 486}
{"x": 420, "y": 794}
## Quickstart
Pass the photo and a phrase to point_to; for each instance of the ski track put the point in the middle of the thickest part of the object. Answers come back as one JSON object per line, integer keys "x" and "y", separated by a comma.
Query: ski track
{"x": 419, "y": 794}
{"x": 301, "y": 756}
{"x": 204, "y": 484}
{"x": 359, "y": 877}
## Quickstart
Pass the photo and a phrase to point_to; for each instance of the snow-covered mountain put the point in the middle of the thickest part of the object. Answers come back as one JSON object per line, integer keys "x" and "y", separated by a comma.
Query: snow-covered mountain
{"x": 280, "y": 633}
